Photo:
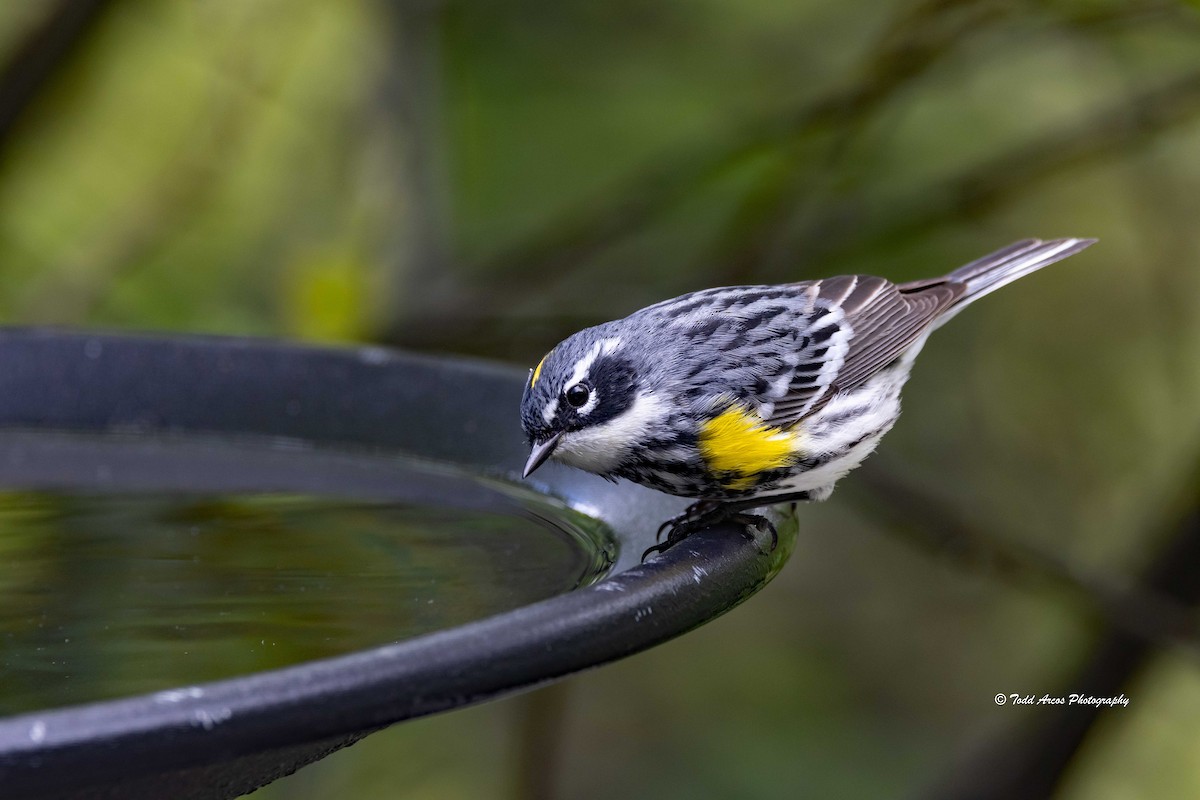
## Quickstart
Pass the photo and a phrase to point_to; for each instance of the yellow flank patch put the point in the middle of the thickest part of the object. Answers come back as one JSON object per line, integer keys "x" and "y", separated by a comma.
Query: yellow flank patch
{"x": 537, "y": 371}
{"x": 737, "y": 447}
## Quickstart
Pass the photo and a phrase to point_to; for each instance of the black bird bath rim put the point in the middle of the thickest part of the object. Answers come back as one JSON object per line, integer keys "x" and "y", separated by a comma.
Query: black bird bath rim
{"x": 225, "y": 738}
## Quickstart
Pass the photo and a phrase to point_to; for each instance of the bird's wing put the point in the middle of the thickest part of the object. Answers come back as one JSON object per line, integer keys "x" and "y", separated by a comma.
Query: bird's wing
{"x": 786, "y": 350}
{"x": 858, "y": 325}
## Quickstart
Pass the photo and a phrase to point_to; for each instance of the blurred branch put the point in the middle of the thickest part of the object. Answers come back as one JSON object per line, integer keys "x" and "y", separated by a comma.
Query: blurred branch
{"x": 540, "y": 726}
{"x": 41, "y": 55}
{"x": 908, "y": 48}
{"x": 1031, "y": 763}
{"x": 916, "y": 38}
{"x": 1123, "y": 125}
{"x": 795, "y": 227}
{"x": 913, "y": 43}
{"x": 1127, "y": 123}
{"x": 935, "y": 525}
{"x": 1123, "y": 14}
{"x": 410, "y": 103}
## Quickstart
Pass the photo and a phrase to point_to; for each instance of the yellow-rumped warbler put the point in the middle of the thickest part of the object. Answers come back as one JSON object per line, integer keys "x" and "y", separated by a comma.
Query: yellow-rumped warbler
{"x": 748, "y": 396}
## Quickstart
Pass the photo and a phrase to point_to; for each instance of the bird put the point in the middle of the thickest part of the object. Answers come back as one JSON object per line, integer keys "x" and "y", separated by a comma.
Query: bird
{"x": 744, "y": 397}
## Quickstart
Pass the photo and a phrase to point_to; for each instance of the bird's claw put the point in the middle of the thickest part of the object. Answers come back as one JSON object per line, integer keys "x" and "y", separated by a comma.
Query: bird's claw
{"x": 760, "y": 523}
{"x": 695, "y": 516}
{"x": 705, "y": 514}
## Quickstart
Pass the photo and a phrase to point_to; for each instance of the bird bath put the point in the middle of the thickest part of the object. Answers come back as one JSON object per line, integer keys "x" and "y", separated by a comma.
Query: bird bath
{"x": 224, "y": 559}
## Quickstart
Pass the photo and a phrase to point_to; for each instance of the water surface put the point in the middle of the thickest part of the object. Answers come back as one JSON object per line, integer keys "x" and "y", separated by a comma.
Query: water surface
{"x": 114, "y": 580}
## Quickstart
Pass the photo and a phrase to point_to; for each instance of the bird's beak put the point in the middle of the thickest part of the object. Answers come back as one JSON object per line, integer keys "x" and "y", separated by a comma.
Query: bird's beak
{"x": 540, "y": 452}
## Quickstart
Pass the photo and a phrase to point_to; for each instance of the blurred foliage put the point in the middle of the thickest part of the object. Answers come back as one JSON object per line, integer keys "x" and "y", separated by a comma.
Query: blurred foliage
{"x": 485, "y": 177}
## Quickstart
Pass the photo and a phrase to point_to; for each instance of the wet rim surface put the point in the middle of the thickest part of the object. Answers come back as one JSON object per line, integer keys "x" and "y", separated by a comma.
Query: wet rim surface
{"x": 225, "y": 738}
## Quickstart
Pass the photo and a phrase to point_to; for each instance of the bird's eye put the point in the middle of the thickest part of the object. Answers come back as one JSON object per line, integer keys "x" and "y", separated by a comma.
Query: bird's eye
{"x": 577, "y": 395}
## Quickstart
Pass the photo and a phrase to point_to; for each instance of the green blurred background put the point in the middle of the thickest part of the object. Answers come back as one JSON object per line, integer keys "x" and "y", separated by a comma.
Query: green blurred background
{"x": 486, "y": 176}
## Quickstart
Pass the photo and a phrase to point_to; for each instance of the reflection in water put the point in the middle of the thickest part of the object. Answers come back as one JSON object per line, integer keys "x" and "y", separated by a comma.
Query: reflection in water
{"x": 110, "y": 594}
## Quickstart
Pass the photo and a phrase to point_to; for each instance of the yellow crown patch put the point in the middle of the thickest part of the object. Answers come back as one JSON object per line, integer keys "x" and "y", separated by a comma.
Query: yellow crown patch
{"x": 537, "y": 371}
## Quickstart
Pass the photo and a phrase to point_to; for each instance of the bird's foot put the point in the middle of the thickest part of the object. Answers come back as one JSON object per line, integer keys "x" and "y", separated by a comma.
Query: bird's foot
{"x": 754, "y": 524}
{"x": 704, "y": 514}
{"x": 694, "y": 517}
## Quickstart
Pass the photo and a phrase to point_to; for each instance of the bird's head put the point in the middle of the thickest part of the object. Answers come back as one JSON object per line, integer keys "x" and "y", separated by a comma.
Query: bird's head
{"x": 585, "y": 404}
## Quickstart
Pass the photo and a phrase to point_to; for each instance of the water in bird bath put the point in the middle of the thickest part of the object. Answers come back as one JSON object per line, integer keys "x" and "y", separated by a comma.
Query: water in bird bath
{"x": 136, "y": 564}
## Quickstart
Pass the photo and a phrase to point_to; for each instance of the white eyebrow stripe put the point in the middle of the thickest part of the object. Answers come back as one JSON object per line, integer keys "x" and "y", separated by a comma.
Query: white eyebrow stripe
{"x": 550, "y": 410}
{"x": 584, "y": 365}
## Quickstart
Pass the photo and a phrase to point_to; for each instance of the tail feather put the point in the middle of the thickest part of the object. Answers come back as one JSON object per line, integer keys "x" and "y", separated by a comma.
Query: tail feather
{"x": 985, "y": 275}
{"x": 1002, "y": 267}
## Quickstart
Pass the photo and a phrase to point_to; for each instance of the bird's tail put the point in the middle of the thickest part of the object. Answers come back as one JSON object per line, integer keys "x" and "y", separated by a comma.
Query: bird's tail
{"x": 985, "y": 275}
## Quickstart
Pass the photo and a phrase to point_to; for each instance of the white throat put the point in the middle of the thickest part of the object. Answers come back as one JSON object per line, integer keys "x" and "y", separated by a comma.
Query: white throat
{"x": 601, "y": 448}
